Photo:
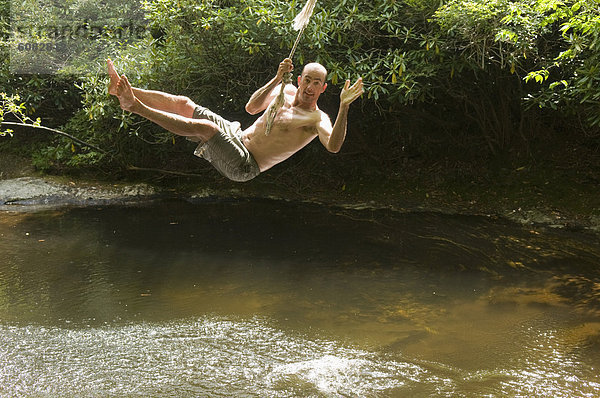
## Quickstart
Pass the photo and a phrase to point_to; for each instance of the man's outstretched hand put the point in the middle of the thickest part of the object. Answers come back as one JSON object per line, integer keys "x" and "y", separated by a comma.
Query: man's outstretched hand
{"x": 114, "y": 77}
{"x": 349, "y": 94}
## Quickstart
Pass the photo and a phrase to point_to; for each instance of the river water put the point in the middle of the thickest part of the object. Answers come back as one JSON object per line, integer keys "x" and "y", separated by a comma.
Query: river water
{"x": 277, "y": 299}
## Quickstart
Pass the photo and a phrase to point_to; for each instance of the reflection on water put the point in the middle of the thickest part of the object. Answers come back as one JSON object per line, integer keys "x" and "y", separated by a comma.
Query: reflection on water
{"x": 265, "y": 298}
{"x": 208, "y": 356}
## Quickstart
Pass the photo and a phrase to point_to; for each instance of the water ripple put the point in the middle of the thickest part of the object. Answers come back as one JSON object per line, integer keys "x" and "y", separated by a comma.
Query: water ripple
{"x": 208, "y": 357}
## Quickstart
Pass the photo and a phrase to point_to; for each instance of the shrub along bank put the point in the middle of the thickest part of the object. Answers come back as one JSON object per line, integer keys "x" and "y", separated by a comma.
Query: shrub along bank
{"x": 458, "y": 93}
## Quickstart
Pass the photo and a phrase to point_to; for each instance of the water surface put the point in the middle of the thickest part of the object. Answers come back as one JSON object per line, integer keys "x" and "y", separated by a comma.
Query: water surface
{"x": 267, "y": 298}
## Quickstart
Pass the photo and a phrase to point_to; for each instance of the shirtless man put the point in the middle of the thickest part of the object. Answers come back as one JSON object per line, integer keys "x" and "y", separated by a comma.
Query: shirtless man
{"x": 242, "y": 155}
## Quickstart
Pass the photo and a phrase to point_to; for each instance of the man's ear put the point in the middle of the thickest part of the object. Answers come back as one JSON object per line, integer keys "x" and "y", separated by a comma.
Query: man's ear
{"x": 324, "y": 87}
{"x": 299, "y": 79}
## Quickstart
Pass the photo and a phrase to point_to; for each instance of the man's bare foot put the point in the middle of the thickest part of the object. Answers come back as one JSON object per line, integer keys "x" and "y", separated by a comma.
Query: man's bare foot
{"x": 114, "y": 77}
{"x": 125, "y": 94}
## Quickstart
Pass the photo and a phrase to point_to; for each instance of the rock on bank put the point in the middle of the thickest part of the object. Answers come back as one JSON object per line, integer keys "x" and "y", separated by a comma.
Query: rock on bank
{"x": 35, "y": 192}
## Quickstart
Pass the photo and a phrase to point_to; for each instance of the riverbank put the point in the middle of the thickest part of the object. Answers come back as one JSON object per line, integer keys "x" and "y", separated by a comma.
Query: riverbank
{"x": 518, "y": 195}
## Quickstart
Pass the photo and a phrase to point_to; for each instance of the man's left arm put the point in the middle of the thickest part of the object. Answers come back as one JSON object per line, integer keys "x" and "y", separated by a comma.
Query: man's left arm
{"x": 332, "y": 138}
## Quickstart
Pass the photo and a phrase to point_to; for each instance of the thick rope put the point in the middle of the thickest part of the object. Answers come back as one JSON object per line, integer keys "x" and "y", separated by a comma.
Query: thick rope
{"x": 287, "y": 79}
{"x": 300, "y": 23}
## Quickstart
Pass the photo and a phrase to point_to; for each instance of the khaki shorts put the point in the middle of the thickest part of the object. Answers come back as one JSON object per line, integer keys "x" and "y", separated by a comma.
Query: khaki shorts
{"x": 225, "y": 150}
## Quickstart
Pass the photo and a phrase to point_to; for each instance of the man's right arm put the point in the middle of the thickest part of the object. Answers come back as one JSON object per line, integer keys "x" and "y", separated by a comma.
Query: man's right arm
{"x": 260, "y": 100}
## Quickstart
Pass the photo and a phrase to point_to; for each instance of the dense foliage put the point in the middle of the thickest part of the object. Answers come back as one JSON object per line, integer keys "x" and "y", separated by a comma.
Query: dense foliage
{"x": 491, "y": 73}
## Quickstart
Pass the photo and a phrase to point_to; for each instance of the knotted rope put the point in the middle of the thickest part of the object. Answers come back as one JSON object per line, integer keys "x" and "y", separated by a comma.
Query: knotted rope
{"x": 300, "y": 23}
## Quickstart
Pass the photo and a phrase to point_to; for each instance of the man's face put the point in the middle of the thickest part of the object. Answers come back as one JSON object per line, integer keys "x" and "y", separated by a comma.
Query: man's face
{"x": 311, "y": 84}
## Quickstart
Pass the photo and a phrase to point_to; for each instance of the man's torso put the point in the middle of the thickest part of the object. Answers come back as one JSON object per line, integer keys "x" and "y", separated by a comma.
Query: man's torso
{"x": 293, "y": 128}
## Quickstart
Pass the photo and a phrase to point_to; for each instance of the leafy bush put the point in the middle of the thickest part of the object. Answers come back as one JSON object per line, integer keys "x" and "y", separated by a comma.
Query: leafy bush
{"x": 477, "y": 69}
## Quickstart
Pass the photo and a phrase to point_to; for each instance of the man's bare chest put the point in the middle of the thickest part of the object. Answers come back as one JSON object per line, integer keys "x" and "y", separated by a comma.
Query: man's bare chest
{"x": 291, "y": 118}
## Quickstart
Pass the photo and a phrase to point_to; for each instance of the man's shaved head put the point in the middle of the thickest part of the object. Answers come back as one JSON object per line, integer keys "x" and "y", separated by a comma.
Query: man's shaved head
{"x": 316, "y": 68}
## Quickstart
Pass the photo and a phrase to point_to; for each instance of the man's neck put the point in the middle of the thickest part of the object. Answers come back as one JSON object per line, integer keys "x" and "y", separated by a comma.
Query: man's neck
{"x": 307, "y": 106}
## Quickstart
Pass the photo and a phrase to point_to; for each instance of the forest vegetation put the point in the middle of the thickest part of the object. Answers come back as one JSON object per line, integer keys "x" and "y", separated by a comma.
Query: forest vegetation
{"x": 456, "y": 91}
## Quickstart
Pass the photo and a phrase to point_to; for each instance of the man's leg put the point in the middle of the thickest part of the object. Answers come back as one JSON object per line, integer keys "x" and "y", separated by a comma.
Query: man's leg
{"x": 175, "y": 123}
{"x": 177, "y": 104}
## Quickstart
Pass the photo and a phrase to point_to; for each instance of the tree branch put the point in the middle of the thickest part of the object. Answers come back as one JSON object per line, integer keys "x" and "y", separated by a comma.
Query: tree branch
{"x": 56, "y": 132}
{"x": 177, "y": 173}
